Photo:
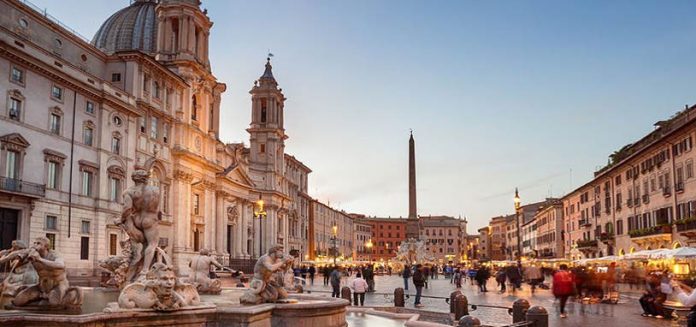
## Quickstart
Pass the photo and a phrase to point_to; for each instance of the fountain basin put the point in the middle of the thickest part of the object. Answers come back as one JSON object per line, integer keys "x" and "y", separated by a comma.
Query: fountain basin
{"x": 215, "y": 310}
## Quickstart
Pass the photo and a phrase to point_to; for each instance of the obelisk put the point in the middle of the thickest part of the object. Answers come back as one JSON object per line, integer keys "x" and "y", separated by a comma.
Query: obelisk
{"x": 412, "y": 223}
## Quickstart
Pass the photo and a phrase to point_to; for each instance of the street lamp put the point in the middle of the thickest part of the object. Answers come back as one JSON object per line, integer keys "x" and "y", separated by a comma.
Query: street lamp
{"x": 334, "y": 230}
{"x": 368, "y": 245}
{"x": 518, "y": 201}
{"x": 260, "y": 214}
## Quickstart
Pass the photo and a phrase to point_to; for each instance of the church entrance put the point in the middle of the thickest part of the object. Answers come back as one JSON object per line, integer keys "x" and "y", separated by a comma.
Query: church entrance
{"x": 229, "y": 239}
{"x": 9, "y": 219}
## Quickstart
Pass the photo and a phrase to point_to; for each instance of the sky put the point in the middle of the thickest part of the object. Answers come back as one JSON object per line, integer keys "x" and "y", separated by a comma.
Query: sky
{"x": 499, "y": 94}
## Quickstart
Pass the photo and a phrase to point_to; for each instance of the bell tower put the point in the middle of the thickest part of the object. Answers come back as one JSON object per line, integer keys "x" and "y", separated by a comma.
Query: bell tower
{"x": 267, "y": 134}
{"x": 183, "y": 31}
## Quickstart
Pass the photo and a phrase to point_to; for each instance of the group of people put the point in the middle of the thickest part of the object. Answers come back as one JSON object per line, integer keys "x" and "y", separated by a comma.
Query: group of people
{"x": 363, "y": 282}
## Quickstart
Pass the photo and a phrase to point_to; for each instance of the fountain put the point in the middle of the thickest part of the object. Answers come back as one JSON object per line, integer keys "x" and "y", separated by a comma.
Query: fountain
{"x": 412, "y": 251}
{"x": 145, "y": 290}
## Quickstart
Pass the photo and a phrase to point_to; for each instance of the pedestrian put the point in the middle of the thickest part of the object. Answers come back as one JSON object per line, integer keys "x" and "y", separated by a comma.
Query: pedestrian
{"x": 326, "y": 271}
{"x": 359, "y": 286}
{"x": 457, "y": 276}
{"x": 369, "y": 275}
{"x": 482, "y": 275}
{"x": 312, "y": 271}
{"x": 500, "y": 278}
{"x": 406, "y": 274}
{"x": 418, "y": 282}
{"x": 563, "y": 287}
{"x": 336, "y": 282}
{"x": 426, "y": 273}
{"x": 303, "y": 272}
{"x": 515, "y": 276}
{"x": 533, "y": 276}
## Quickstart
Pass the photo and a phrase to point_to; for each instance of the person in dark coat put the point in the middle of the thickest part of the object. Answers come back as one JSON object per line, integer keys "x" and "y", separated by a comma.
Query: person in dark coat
{"x": 482, "y": 275}
{"x": 419, "y": 283}
{"x": 406, "y": 274}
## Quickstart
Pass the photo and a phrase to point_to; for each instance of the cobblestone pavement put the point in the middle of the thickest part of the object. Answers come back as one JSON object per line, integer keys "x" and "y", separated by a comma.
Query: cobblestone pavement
{"x": 626, "y": 313}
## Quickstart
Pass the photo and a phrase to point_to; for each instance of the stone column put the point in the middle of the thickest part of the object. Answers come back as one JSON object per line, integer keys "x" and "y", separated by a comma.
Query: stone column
{"x": 182, "y": 36}
{"x": 209, "y": 218}
{"x": 181, "y": 214}
{"x": 239, "y": 229}
{"x": 191, "y": 35}
{"x": 220, "y": 230}
{"x": 160, "y": 34}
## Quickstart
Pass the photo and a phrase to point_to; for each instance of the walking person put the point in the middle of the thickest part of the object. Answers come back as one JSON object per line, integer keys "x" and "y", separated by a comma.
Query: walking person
{"x": 457, "y": 276}
{"x": 533, "y": 276}
{"x": 335, "y": 279}
{"x": 359, "y": 286}
{"x": 406, "y": 274}
{"x": 326, "y": 271}
{"x": 418, "y": 282}
{"x": 500, "y": 277}
{"x": 563, "y": 283}
{"x": 369, "y": 275}
{"x": 312, "y": 271}
{"x": 426, "y": 273}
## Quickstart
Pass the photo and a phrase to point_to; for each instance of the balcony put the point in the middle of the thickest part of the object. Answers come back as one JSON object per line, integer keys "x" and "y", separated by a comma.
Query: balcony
{"x": 606, "y": 237}
{"x": 654, "y": 237}
{"x": 585, "y": 223}
{"x": 679, "y": 187}
{"x": 19, "y": 187}
{"x": 687, "y": 227}
{"x": 586, "y": 244}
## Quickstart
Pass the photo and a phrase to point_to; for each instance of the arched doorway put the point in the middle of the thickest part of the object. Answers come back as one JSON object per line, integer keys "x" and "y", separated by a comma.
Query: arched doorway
{"x": 621, "y": 252}
{"x": 676, "y": 245}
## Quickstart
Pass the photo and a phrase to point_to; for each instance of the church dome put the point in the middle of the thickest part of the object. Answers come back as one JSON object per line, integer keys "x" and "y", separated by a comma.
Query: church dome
{"x": 131, "y": 28}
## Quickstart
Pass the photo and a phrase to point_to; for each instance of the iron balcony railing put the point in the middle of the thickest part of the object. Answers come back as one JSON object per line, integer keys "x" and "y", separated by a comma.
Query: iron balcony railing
{"x": 21, "y": 187}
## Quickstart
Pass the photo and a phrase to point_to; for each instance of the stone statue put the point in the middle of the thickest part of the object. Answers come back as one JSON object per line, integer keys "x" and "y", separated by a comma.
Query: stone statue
{"x": 53, "y": 289}
{"x": 265, "y": 287}
{"x": 200, "y": 273}
{"x": 413, "y": 251}
{"x": 21, "y": 273}
{"x": 140, "y": 220}
{"x": 158, "y": 290}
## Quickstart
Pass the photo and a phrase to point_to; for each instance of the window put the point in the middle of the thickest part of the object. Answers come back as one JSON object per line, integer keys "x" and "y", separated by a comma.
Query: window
{"x": 156, "y": 90}
{"x": 116, "y": 77}
{"x": 51, "y": 223}
{"x": 88, "y": 135}
{"x": 116, "y": 145}
{"x": 262, "y": 148}
{"x": 263, "y": 110}
{"x": 194, "y": 108}
{"x": 89, "y": 107}
{"x": 165, "y": 133}
{"x": 15, "y": 109}
{"x": 85, "y": 227}
{"x": 51, "y": 240}
{"x": 57, "y": 93}
{"x": 689, "y": 169}
{"x": 17, "y": 76}
{"x": 196, "y": 204}
{"x": 87, "y": 178}
{"x": 113, "y": 241}
{"x": 12, "y": 164}
{"x": 153, "y": 127}
{"x": 146, "y": 83}
{"x": 55, "y": 123}
{"x": 52, "y": 175}
{"x": 143, "y": 125}
{"x": 114, "y": 189}
{"x": 84, "y": 248}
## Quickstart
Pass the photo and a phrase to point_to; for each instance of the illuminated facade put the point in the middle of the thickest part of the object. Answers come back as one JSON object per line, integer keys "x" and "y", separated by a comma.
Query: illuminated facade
{"x": 77, "y": 117}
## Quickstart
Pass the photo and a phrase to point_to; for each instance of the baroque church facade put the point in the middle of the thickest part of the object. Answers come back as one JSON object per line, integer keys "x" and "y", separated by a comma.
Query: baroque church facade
{"x": 78, "y": 116}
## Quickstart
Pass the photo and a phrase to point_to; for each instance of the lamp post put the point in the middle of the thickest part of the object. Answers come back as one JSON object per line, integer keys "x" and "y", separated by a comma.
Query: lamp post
{"x": 518, "y": 201}
{"x": 334, "y": 236}
{"x": 368, "y": 245}
{"x": 260, "y": 214}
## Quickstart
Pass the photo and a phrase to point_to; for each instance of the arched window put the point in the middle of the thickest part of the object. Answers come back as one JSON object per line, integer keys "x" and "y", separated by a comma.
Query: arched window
{"x": 194, "y": 108}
